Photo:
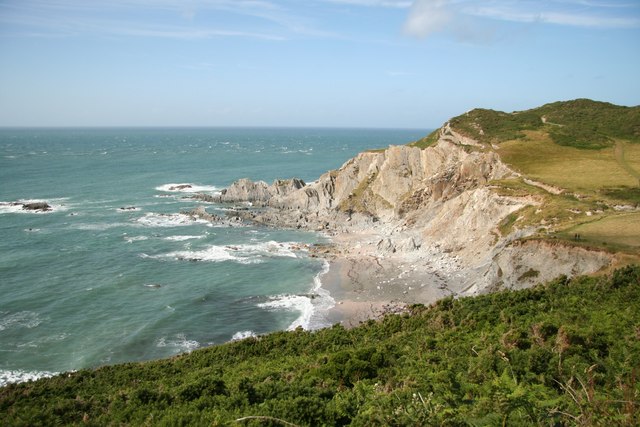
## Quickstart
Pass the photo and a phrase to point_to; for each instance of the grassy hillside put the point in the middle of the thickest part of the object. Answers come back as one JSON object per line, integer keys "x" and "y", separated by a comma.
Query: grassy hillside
{"x": 579, "y": 159}
{"x": 581, "y": 123}
{"x": 565, "y": 353}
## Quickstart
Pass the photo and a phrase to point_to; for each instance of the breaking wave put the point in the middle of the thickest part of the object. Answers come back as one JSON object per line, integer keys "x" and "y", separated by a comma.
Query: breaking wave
{"x": 241, "y": 335}
{"x": 179, "y": 342}
{"x": 188, "y": 188}
{"x": 244, "y": 254}
{"x": 20, "y": 376}
{"x": 312, "y": 307}
{"x": 169, "y": 220}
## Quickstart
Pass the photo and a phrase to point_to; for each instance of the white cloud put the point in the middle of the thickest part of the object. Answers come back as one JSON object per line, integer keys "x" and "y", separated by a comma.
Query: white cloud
{"x": 148, "y": 18}
{"x": 587, "y": 18}
{"x": 462, "y": 16}
{"x": 427, "y": 17}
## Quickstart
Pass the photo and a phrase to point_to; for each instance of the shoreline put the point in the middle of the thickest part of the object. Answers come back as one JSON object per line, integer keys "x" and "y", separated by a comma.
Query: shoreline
{"x": 363, "y": 287}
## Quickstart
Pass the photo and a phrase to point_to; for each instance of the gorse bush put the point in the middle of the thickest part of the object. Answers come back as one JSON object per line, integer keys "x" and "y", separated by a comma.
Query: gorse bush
{"x": 564, "y": 353}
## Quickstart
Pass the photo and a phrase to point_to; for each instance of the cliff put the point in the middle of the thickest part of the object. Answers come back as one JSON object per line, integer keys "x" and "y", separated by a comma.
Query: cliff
{"x": 436, "y": 208}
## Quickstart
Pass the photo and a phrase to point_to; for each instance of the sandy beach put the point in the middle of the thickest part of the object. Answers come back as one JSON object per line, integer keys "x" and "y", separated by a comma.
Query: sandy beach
{"x": 366, "y": 286}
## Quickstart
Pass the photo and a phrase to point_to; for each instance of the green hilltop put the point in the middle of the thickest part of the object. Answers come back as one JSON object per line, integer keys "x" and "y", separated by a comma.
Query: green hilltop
{"x": 581, "y": 123}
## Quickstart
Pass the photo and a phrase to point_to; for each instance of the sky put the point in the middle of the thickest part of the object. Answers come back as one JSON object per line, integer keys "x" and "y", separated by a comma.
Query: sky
{"x": 298, "y": 63}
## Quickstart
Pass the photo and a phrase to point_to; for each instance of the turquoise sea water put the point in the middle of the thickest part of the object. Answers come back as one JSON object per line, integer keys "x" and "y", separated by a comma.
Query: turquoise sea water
{"x": 89, "y": 283}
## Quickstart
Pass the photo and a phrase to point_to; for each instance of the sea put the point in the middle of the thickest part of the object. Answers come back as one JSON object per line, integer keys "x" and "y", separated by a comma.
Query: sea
{"x": 114, "y": 272}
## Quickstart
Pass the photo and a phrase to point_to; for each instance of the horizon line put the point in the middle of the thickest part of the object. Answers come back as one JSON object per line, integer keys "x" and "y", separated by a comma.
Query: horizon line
{"x": 178, "y": 127}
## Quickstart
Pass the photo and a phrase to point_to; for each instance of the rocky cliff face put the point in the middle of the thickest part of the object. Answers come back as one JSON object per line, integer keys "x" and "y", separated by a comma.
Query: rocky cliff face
{"x": 406, "y": 202}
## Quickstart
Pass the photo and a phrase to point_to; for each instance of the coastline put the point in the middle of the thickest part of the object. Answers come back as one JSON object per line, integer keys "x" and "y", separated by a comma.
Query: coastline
{"x": 363, "y": 287}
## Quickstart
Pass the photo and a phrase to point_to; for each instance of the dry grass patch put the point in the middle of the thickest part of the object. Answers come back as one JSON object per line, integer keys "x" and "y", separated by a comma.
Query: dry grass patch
{"x": 571, "y": 168}
{"x": 621, "y": 229}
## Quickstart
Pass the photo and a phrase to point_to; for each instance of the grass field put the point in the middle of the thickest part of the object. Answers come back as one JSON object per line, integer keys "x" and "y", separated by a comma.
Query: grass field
{"x": 620, "y": 231}
{"x": 573, "y": 169}
{"x": 588, "y": 150}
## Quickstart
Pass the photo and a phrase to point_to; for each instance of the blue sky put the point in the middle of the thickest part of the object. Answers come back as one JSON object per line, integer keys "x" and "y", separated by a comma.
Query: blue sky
{"x": 344, "y": 63}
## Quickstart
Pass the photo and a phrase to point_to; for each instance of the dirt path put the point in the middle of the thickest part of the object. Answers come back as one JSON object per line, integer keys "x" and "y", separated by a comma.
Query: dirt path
{"x": 619, "y": 152}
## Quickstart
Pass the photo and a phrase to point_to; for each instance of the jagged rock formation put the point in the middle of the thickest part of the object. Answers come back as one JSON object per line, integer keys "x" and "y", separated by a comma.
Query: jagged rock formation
{"x": 407, "y": 203}
{"x": 245, "y": 190}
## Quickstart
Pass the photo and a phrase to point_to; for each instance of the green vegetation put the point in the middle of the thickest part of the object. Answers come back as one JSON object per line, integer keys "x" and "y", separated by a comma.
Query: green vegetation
{"x": 616, "y": 232}
{"x": 623, "y": 194}
{"x": 564, "y": 353}
{"x": 581, "y": 123}
{"x": 584, "y": 123}
{"x": 428, "y": 140}
{"x": 491, "y": 126}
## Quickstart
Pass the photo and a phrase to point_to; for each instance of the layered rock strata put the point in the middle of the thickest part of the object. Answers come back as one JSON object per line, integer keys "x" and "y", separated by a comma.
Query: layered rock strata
{"x": 431, "y": 209}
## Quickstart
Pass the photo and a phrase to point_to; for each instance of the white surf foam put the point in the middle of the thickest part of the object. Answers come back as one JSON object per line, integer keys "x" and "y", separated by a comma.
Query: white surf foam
{"x": 299, "y": 303}
{"x": 131, "y": 239}
{"x": 99, "y": 226}
{"x": 243, "y": 254}
{"x": 187, "y": 188}
{"x": 322, "y": 302}
{"x": 21, "y": 319}
{"x": 241, "y": 335}
{"x": 169, "y": 220}
{"x": 269, "y": 249}
{"x": 179, "y": 342}
{"x": 44, "y": 340}
{"x": 210, "y": 254}
{"x": 183, "y": 238}
{"x": 312, "y": 307}
{"x": 19, "y": 376}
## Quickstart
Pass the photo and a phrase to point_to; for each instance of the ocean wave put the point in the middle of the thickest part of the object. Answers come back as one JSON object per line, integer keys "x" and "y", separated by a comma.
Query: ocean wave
{"x": 188, "y": 188}
{"x": 21, "y": 319}
{"x": 19, "y": 376}
{"x": 99, "y": 226}
{"x": 131, "y": 239}
{"x": 241, "y": 335}
{"x": 322, "y": 302}
{"x": 169, "y": 220}
{"x": 47, "y": 339}
{"x": 210, "y": 254}
{"x": 299, "y": 303}
{"x": 270, "y": 248}
{"x": 183, "y": 238}
{"x": 312, "y": 307}
{"x": 244, "y": 253}
{"x": 179, "y": 342}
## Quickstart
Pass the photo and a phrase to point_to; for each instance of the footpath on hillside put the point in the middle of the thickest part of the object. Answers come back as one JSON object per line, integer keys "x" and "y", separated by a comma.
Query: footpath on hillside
{"x": 619, "y": 152}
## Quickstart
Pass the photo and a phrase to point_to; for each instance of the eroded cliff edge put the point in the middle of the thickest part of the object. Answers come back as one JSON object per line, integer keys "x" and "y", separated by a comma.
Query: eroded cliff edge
{"x": 425, "y": 219}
